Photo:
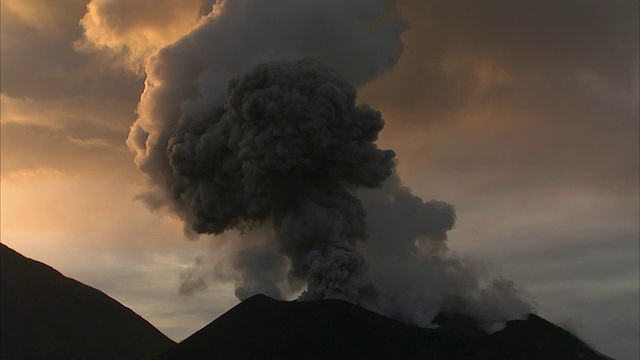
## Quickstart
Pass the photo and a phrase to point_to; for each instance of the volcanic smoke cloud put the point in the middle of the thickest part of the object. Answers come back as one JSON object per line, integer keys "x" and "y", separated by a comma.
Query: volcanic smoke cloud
{"x": 285, "y": 148}
{"x": 250, "y": 122}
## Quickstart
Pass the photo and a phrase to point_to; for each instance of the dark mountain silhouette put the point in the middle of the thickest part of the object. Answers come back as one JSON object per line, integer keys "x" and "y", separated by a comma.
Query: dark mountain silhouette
{"x": 46, "y": 315}
{"x": 263, "y": 328}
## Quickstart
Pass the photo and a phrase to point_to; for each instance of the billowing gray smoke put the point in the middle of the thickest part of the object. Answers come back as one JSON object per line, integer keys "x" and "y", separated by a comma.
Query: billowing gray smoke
{"x": 266, "y": 152}
{"x": 240, "y": 137}
{"x": 415, "y": 274}
{"x": 288, "y": 146}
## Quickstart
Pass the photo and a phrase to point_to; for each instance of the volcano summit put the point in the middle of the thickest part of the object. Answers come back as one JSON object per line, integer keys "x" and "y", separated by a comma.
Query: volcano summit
{"x": 263, "y": 328}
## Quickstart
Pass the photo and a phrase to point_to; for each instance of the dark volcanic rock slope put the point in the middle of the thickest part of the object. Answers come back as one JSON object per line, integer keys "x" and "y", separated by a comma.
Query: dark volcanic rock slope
{"x": 46, "y": 315}
{"x": 262, "y": 328}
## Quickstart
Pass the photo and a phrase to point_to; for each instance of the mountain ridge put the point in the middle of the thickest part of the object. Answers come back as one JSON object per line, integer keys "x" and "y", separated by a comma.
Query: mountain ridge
{"x": 264, "y": 328}
{"x": 46, "y": 315}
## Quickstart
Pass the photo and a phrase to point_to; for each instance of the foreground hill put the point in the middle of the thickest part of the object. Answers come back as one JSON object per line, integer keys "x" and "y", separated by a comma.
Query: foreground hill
{"x": 263, "y": 328}
{"x": 45, "y": 315}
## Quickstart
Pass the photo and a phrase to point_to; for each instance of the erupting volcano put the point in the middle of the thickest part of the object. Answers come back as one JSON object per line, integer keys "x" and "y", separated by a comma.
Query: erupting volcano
{"x": 266, "y": 142}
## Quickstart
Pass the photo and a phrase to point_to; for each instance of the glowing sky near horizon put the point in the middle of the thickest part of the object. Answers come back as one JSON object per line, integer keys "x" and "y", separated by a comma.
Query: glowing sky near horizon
{"x": 523, "y": 115}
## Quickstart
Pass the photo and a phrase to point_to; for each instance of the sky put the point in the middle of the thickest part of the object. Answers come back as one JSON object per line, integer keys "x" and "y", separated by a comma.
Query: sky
{"x": 522, "y": 115}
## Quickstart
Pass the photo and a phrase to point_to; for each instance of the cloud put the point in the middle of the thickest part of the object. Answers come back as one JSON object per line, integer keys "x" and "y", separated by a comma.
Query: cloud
{"x": 43, "y": 64}
{"x": 460, "y": 49}
{"x": 515, "y": 95}
{"x": 108, "y": 113}
{"x": 60, "y": 109}
{"x": 56, "y": 17}
{"x": 524, "y": 115}
{"x": 134, "y": 30}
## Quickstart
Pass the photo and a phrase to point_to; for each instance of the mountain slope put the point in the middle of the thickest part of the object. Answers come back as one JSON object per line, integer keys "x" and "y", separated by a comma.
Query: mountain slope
{"x": 46, "y": 315}
{"x": 263, "y": 328}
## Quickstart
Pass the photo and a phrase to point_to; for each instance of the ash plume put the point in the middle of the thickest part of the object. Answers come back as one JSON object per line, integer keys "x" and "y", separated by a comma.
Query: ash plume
{"x": 286, "y": 147}
{"x": 203, "y": 150}
{"x": 249, "y": 129}
{"x": 415, "y": 274}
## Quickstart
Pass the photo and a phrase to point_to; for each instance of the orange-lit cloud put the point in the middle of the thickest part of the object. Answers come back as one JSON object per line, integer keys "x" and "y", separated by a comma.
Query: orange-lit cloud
{"x": 522, "y": 92}
{"x": 133, "y": 30}
{"x": 53, "y": 16}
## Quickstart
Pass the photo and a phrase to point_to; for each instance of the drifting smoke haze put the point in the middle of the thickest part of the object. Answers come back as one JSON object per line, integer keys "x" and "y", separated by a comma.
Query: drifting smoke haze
{"x": 249, "y": 128}
{"x": 415, "y": 273}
